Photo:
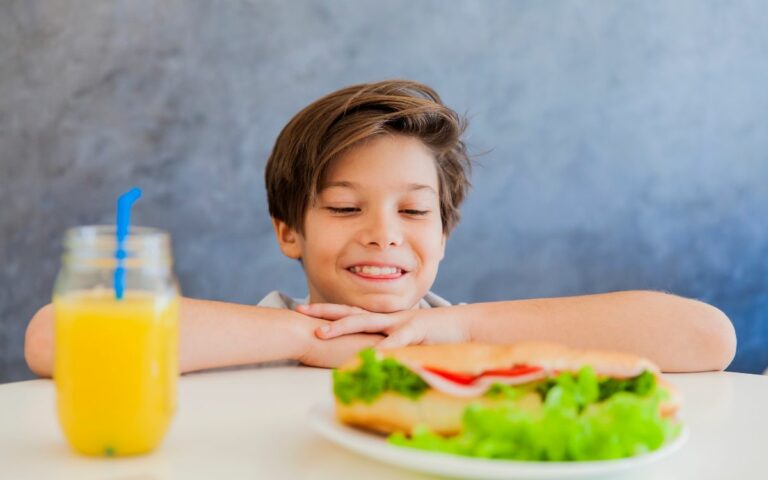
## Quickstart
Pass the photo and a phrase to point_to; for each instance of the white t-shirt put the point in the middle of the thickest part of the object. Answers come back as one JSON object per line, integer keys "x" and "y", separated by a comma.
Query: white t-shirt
{"x": 276, "y": 299}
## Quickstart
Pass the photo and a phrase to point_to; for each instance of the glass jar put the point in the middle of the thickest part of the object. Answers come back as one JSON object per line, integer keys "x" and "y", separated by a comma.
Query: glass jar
{"x": 115, "y": 360}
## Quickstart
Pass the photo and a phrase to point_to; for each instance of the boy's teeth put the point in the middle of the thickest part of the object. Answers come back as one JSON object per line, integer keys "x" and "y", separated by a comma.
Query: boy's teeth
{"x": 368, "y": 270}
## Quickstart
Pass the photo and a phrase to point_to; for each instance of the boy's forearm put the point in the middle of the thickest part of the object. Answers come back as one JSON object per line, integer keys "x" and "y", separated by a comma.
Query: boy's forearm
{"x": 211, "y": 335}
{"x": 216, "y": 334}
{"x": 677, "y": 333}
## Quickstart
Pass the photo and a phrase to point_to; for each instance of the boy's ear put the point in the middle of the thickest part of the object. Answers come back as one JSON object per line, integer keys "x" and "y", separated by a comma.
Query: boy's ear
{"x": 288, "y": 239}
{"x": 442, "y": 246}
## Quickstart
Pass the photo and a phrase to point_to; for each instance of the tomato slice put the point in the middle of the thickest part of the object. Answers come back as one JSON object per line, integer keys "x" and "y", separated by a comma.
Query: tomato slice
{"x": 460, "y": 378}
{"x": 468, "y": 378}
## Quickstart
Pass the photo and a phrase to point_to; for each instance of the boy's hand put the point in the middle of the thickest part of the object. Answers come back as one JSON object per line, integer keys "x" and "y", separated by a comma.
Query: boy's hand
{"x": 402, "y": 328}
{"x": 328, "y": 354}
{"x": 334, "y": 352}
{"x": 329, "y": 311}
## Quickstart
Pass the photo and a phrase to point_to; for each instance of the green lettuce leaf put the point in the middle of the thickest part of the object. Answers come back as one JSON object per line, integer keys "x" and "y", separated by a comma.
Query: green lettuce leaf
{"x": 374, "y": 377}
{"x": 574, "y": 423}
{"x": 584, "y": 385}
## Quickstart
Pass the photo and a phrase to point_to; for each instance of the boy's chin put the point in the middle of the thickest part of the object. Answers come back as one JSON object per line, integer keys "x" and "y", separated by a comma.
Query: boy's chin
{"x": 384, "y": 303}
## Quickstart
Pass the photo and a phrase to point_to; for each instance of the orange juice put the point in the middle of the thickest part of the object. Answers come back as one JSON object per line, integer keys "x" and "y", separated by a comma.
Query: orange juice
{"x": 116, "y": 364}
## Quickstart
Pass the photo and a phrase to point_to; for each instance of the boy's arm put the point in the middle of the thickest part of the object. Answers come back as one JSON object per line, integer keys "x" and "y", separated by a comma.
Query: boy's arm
{"x": 217, "y": 334}
{"x": 678, "y": 334}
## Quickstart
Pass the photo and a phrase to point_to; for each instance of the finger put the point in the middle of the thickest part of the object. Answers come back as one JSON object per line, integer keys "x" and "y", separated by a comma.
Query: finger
{"x": 328, "y": 311}
{"x": 401, "y": 337}
{"x": 360, "y": 323}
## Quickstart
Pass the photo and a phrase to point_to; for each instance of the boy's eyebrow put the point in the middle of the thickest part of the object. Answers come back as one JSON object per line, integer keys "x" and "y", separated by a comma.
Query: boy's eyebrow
{"x": 354, "y": 186}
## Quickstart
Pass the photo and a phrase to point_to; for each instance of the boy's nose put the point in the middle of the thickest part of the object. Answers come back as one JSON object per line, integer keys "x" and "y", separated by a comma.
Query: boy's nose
{"x": 382, "y": 232}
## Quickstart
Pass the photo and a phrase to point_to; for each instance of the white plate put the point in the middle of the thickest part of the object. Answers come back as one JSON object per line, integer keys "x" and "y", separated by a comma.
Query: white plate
{"x": 323, "y": 421}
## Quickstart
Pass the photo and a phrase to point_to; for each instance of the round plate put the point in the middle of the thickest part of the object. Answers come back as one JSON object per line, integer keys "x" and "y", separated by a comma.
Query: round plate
{"x": 323, "y": 420}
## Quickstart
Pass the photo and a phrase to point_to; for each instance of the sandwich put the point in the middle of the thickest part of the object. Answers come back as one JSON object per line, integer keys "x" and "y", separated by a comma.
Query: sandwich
{"x": 528, "y": 401}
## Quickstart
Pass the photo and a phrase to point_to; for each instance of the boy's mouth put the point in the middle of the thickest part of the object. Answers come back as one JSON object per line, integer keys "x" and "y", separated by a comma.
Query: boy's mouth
{"x": 378, "y": 272}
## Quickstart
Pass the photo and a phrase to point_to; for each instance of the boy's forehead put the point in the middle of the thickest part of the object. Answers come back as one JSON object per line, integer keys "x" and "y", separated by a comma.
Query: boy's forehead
{"x": 399, "y": 162}
{"x": 406, "y": 187}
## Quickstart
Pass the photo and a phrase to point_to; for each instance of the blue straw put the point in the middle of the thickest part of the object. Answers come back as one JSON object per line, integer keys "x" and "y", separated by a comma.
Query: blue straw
{"x": 124, "y": 204}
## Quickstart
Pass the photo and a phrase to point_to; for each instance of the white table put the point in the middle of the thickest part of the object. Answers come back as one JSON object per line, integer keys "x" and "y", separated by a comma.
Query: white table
{"x": 252, "y": 424}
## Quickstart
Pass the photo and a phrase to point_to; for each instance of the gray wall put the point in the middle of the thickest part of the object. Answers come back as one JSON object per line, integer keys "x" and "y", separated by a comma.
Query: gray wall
{"x": 627, "y": 141}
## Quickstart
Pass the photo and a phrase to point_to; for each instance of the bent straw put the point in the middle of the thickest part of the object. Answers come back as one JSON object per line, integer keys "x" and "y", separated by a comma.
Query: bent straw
{"x": 124, "y": 204}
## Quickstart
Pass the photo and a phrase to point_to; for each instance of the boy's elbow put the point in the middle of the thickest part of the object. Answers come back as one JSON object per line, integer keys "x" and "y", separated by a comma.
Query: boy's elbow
{"x": 717, "y": 336}
{"x": 706, "y": 339}
{"x": 38, "y": 342}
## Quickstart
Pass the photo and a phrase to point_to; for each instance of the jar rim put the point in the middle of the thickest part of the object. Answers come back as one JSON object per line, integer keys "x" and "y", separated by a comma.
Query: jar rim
{"x": 111, "y": 230}
{"x": 100, "y": 241}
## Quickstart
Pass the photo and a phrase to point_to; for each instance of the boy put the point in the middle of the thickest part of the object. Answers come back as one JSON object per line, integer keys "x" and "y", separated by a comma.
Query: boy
{"x": 364, "y": 187}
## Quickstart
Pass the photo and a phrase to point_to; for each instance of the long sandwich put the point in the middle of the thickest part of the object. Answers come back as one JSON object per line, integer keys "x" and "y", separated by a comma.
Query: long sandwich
{"x": 529, "y": 401}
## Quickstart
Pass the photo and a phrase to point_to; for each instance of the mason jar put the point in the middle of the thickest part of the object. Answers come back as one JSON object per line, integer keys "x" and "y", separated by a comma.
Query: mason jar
{"x": 115, "y": 359}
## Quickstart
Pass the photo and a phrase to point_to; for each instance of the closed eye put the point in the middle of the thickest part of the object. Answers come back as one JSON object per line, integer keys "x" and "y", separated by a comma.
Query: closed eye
{"x": 350, "y": 210}
{"x": 343, "y": 210}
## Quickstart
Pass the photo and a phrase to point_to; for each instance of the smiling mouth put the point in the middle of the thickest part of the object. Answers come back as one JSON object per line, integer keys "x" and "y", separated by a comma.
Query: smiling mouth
{"x": 377, "y": 273}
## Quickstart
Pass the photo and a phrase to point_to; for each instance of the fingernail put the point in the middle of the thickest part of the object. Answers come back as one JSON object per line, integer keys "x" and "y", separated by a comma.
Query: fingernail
{"x": 325, "y": 329}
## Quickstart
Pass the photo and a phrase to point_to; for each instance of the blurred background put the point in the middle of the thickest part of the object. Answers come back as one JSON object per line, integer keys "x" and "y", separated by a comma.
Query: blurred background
{"x": 626, "y": 142}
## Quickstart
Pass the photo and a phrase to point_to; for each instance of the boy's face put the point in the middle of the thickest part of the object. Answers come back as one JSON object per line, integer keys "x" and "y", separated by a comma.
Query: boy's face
{"x": 374, "y": 237}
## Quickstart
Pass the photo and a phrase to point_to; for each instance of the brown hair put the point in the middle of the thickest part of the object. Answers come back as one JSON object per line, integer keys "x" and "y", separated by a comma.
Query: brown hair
{"x": 332, "y": 125}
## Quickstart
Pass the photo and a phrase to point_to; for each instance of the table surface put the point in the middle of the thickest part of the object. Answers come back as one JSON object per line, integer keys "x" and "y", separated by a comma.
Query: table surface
{"x": 253, "y": 424}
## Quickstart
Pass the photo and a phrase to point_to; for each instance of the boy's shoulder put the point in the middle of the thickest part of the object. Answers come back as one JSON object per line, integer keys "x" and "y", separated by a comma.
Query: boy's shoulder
{"x": 432, "y": 300}
{"x": 278, "y": 299}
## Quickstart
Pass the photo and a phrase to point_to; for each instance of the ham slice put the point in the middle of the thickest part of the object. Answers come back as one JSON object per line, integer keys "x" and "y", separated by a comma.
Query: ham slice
{"x": 467, "y": 386}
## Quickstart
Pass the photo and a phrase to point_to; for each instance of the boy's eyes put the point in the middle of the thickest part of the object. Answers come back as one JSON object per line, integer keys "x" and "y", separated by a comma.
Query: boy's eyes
{"x": 343, "y": 210}
{"x": 352, "y": 210}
